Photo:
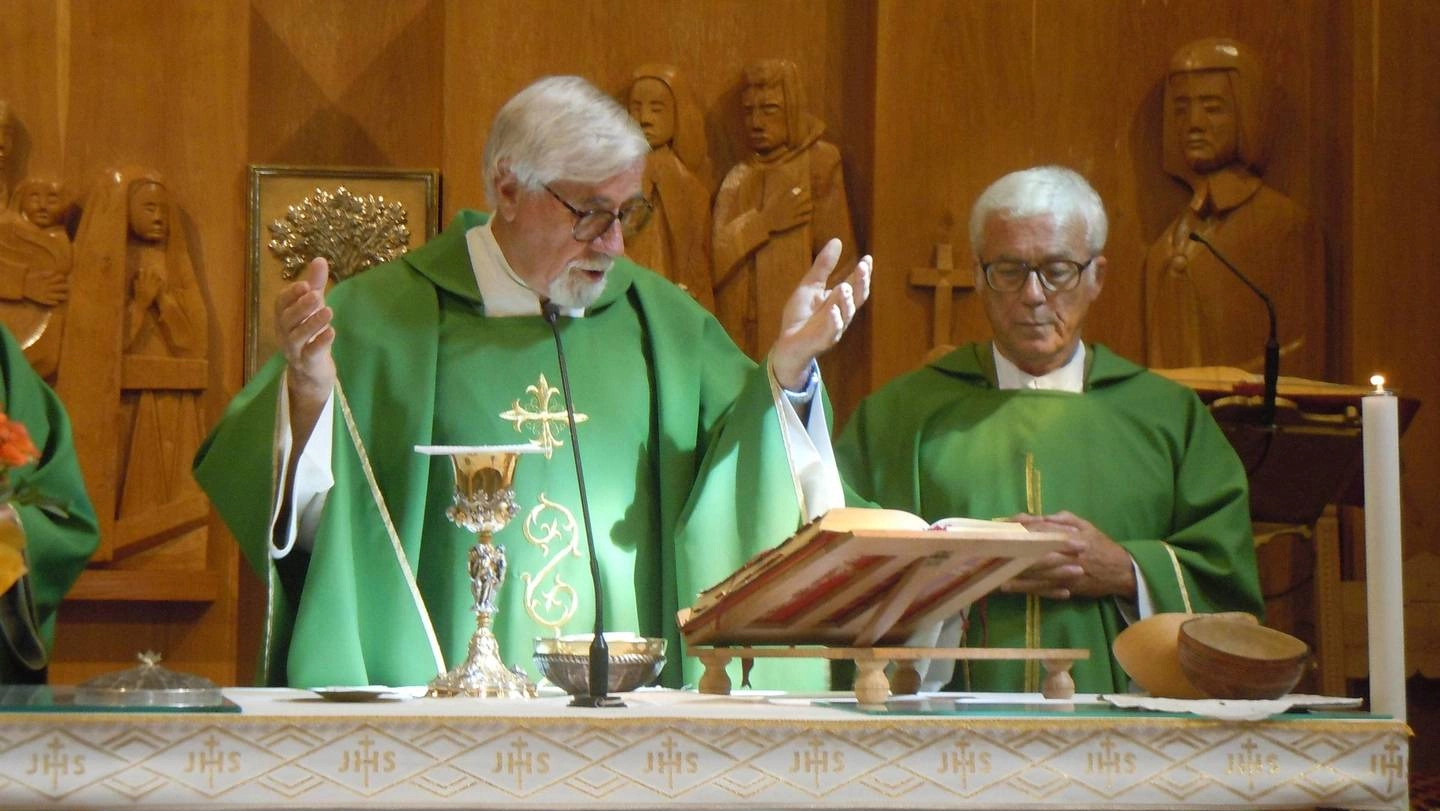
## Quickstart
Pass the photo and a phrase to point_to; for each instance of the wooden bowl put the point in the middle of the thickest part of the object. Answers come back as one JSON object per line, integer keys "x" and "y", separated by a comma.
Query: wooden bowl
{"x": 1147, "y": 651}
{"x": 1238, "y": 660}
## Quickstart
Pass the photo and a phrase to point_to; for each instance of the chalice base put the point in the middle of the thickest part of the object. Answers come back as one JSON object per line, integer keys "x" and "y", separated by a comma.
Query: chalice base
{"x": 482, "y": 674}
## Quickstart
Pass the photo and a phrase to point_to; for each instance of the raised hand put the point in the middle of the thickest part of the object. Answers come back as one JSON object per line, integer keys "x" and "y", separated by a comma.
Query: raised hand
{"x": 302, "y": 324}
{"x": 817, "y": 316}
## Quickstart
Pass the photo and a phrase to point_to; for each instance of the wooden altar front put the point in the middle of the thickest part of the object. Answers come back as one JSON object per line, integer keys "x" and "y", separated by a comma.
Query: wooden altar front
{"x": 288, "y": 748}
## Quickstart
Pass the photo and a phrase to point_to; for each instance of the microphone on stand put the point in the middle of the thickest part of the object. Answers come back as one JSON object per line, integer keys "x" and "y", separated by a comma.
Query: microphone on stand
{"x": 599, "y": 649}
{"x": 1272, "y": 345}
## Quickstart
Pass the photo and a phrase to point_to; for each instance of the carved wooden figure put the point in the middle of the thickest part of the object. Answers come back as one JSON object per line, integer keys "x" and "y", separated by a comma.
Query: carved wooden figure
{"x": 676, "y": 241}
{"x": 133, "y": 365}
{"x": 1197, "y": 312}
{"x": 35, "y": 261}
{"x": 775, "y": 210}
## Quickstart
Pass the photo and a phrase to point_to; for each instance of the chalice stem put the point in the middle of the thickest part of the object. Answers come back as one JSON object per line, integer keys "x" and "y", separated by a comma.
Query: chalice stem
{"x": 484, "y": 503}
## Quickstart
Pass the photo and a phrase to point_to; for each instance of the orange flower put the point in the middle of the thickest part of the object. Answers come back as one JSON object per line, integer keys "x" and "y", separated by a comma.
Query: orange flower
{"x": 16, "y": 449}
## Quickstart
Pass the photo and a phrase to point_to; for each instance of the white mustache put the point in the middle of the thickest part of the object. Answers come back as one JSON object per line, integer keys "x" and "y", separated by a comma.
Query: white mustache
{"x": 601, "y": 265}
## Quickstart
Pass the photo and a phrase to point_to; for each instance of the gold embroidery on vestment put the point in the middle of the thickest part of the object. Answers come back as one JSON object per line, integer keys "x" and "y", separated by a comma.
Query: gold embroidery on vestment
{"x": 553, "y": 606}
{"x": 536, "y": 417}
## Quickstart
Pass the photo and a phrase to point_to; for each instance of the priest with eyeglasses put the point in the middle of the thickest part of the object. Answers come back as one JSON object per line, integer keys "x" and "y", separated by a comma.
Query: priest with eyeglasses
{"x": 1039, "y": 427}
{"x": 695, "y": 457}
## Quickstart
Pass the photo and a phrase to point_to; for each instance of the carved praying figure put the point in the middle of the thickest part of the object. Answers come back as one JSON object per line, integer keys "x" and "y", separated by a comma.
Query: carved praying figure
{"x": 35, "y": 260}
{"x": 1197, "y": 312}
{"x": 676, "y": 241}
{"x": 775, "y": 210}
{"x": 134, "y": 364}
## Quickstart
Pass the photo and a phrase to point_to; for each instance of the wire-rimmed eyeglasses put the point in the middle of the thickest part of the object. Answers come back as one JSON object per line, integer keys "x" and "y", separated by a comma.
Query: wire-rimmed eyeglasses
{"x": 1056, "y": 275}
{"x": 632, "y": 214}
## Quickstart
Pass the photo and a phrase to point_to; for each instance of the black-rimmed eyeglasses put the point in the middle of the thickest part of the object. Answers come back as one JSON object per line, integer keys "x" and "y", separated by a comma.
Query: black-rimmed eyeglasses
{"x": 1056, "y": 275}
{"x": 632, "y": 214}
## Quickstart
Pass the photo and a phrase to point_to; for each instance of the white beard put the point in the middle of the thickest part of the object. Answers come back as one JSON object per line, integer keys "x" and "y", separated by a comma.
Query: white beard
{"x": 575, "y": 292}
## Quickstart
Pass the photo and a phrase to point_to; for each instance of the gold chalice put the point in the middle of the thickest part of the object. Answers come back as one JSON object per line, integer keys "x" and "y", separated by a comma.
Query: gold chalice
{"x": 484, "y": 504}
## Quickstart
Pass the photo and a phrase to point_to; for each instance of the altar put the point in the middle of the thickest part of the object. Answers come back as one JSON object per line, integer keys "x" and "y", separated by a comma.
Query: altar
{"x": 280, "y": 748}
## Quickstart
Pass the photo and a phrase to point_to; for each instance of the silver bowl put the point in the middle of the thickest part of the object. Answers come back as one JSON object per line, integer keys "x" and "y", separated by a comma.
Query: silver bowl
{"x": 634, "y": 661}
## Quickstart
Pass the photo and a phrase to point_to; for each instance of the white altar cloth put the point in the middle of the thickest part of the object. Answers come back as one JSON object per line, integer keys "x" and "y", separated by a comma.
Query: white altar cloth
{"x": 290, "y": 749}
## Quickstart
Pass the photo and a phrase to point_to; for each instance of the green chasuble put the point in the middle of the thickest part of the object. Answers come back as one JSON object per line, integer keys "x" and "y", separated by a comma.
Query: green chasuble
{"x": 684, "y": 457}
{"x": 1136, "y": 455}
{"x": 56, "y": 549}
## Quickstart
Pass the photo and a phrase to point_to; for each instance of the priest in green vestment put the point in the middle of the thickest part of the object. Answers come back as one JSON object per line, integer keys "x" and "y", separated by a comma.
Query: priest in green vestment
{"x": 1037, "y": 427}
{"x": 52, "y": 538}
{"x": 695, "y": 457}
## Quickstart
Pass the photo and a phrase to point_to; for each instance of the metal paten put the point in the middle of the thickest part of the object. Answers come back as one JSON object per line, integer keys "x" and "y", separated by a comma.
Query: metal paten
{"x": 148, "y": 685}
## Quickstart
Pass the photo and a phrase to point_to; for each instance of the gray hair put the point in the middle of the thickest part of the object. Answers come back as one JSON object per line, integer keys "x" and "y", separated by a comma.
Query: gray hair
{"x": 1053, "y": 190}
{"x": 561, "y": 128}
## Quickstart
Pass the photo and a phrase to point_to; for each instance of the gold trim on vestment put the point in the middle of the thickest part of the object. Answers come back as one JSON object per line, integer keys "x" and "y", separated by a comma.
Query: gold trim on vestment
{"x": 270, "y": 587}
{"x": 390, "y": 531}
{"x": 1035, "y": 505}
{"x": 1179, "y": 577}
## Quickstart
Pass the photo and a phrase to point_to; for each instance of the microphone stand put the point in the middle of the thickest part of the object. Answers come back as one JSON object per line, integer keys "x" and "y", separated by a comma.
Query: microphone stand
{"x": 1272, "y": 345}
{"x": 599, "y": 649}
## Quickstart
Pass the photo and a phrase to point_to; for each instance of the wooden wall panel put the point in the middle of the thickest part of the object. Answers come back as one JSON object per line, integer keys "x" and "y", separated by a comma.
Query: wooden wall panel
{"x": 1395, "y": 181}
{"x": 1005, "y": 85}
{"x": 161, "y": 89}
{"x": 35, "y": 102}
{"x": 340, "y": 83}
{"x": 492, "y": 50}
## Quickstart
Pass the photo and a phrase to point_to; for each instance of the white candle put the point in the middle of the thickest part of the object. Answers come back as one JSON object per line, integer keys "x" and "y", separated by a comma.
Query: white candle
{"x": 1384, "y": 594}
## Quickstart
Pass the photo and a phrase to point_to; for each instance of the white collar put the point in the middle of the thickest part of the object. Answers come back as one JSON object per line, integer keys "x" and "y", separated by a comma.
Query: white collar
{"x": 505, "y": 296}
{"x": 1070, "y": 377}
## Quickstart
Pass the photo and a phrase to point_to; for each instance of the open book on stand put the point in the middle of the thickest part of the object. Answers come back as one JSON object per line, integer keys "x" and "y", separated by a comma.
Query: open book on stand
{"x": 861, "y": 577}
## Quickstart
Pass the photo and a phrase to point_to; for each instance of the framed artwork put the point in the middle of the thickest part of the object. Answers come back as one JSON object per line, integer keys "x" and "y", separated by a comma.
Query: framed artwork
{"x": 354, "y": 217}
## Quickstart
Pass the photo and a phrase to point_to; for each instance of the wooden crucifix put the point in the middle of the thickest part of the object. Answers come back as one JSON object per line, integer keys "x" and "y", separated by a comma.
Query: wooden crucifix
{"x": 945, "y": 278}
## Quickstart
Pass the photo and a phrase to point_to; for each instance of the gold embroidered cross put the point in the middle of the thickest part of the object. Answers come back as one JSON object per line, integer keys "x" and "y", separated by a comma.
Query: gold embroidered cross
{"x": 537, "y": 416}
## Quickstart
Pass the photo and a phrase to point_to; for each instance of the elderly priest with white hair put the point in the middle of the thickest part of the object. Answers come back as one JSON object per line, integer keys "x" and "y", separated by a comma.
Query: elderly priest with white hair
{"x": 696, "y": 457}
{"x": 1038, "y": 427}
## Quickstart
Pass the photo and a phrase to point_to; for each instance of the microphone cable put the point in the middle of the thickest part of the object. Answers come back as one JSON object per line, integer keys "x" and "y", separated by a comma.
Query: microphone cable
{"x": 599, "y": 649}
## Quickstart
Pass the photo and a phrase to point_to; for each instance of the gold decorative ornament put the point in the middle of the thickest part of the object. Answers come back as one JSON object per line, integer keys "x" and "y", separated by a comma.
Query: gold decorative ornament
{"x": 352, "y": 231}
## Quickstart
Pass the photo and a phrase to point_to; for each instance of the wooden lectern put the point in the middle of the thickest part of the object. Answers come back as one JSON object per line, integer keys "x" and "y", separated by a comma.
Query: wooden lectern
{"x": 856, "y": 584}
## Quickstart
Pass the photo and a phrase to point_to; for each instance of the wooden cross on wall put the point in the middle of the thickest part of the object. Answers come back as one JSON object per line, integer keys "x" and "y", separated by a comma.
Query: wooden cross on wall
{"x": 945, "y": 279}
